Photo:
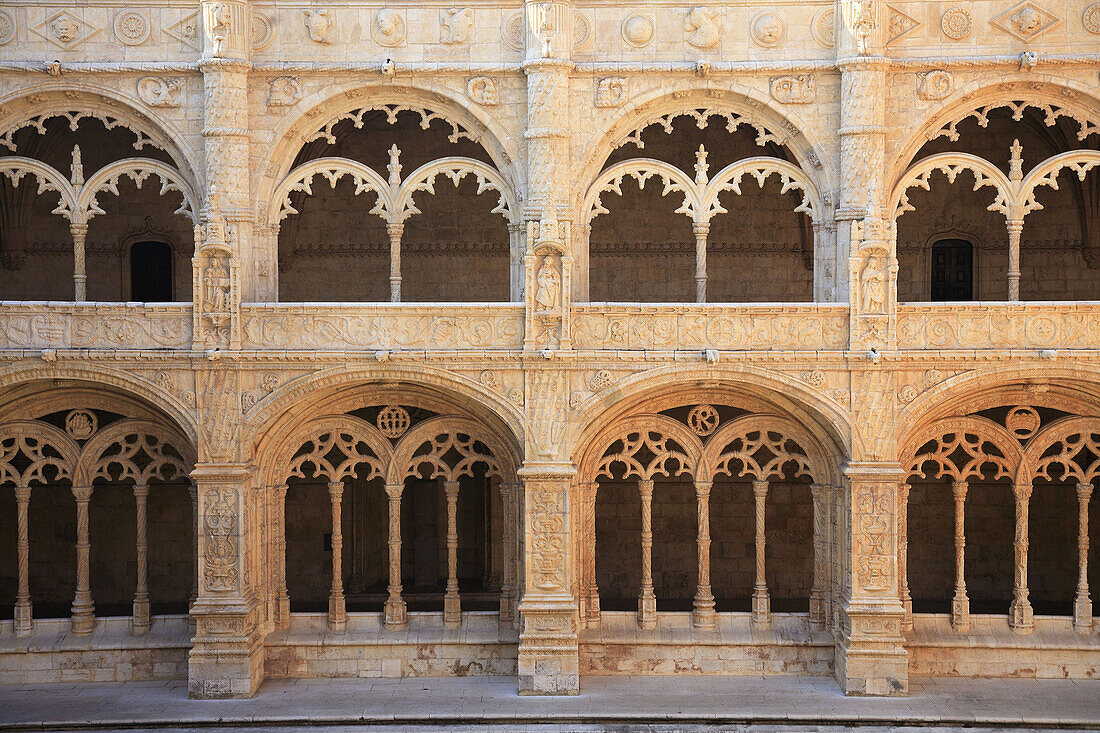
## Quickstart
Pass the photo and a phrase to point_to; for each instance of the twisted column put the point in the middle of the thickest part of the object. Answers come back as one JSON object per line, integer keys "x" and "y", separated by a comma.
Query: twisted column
{"x": 819, "y": 591}
{"x": 591, "y": 590}
{"x": 903, "y": 557}
{"x": 83, "y": 619}
{"x": 1015, "y": 229}
{"x": 80, "y": 274}
{"x": 1020, "y": 617}
{"x": 24, "y": 616}
{"x": 761, "y": 602}
{"x": 395, "y": 231}
{"x": 700, "y": 229}
{"x": 282, "y": 597}
{"x": 508, "y": 493}
{"x": 1082, "y": 604}
{"x": 452, "y": 605}
{"x": 193, "y": 490}
{"x": 395, "y": 615}
{"x": 647, "y": 602}
{"x": 960, "y": 604}
{"x": 140, "y": 622}
{"x": 703, "y": 615}
{"x": 337, "y": 610}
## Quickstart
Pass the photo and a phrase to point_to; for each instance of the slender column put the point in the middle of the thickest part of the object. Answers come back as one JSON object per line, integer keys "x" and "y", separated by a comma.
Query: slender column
{"x": 83, "y": 620}
{"x": 1020, "y": 616}
{"x": 960, "y": 604}
{"x": 337, "y": 611}
{"x": 593, "y": 591}
{"x": 24, "y": 616}
{"x": 509, "y": 492}
{"x": 452, "y": 604}
{"x": 700, "y": 229}
{"x": 903, "y": 557}
{"x": 703, "y": 615}
{"x": 140, "y": 622}
{"x": 761, "y": 602}
{"x": 194, "y": 492}
{"x": 819, "y": 592}
{"x": 1015, "y": 229}
{"x": 395, "y": 613}
{"x": 80, "y": 274}
{"x": 647, "y": 602}
{"x": 1082, "y": 605}
{"x": 516, "y": 272}
{"x": 395, "y": 231}
{"x": 282, "y": 598}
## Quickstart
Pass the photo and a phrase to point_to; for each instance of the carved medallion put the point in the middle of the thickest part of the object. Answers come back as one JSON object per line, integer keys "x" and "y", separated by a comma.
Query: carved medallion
{"x": 1022, "y": 421}
{"x": 956, "y": 23}
{"x": 65, "y": 30}
{"x": 768, "y": 29}
{"x": 454, "y": 25}
{"x": 7, "y": 28}
{"x": 1026, "y": 21}
{"x": 934, "y": 85}
{"x": 703, "y": 420}
{"x": 1090, "y": 19}
{"x": 513, "y": 32}
{"x": 483, "y": 90}
{"x": 602, "y": 379}
{"x": 638, "y": 30}
{"x": 388, "y": 27}
{"x": 81, "y": 424}
{"x": 582, "y": 29}
{"x": 131, "y": 28}
{"x": 611, "y": 92}
{"x": 283, "y": 91}
{"x": 701, "y": 29}
{"x": 262, "y": 32}
{"x": 793, "y": 89}
{"x": 823, "y": 27}
{"x": 393, "y": 421}
{"x": 186, "y": 31}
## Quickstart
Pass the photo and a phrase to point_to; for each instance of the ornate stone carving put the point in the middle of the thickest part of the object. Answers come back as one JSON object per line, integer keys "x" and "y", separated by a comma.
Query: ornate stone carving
{"x": 864, "y": 23}
{"x": 611, "y": 91}
{"x": 899, "y": 24}
{"x": 318, "y": 25}
{"x": 934, "y": 85}
{"x": 131, "y": 28}
{"x": 582, "y": 29}
{"x": 262, "y": 31}
{"x": 483, "y": 90}
{"x": 823, "y": 27}
{"x": 455, "y": 25}
{"x": 388, "y": 27}
{"x": 1025, "y": 21}
{"x": 219, "y": 561}
{"x": 703, "y": 420}
{"x": 768, "y": 29}
{"x": 158, "y": 91}
{"x": 793, "y": 89}
{"x": 186, "y": 31}
{"x": 283, "y": 91}
{"x": 638, "y": 30}
{"x": 81, "y": 424}
{"x": 1090, "y": 19}
{"x": 701, "y": 30}
{"x": 513, "y": 32}
{"x": 814, "y": 378}
{"x": 7, "y": 27}
{"x": 956, "y": 23}
{"x": 65, "y": 30}
{"x": 220, "y": 25}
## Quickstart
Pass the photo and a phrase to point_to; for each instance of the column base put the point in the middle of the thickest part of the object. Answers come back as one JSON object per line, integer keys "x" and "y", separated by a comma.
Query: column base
{"x": 282, "y": 612}
{"x": 395, "y": 616}
{"x": 549, "y": 663}
{"x": 1021, "y": 619}
{"x": 227, "y": 657}
{"x": 960, "y": 614}
{"x": 24, "y": 619}
{"x": 761, "y": 610}
{"x": 870, "y": 658}
{"x": 647, "y": 611}
{"x": 818, "y": 611}
{"x": 703, "y": 615}
{"x": 140, "y": 623}
{"x": 1082, "y": 615}
{"x": 337, "y": 613}
{"x": 83, "y": 619}
{"x": 507, "y": 613}
{"x": 452, "y": 611}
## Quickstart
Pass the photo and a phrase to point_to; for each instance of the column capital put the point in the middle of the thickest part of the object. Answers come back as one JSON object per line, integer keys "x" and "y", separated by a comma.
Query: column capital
{"x": 82, "y": 493}
{"x": 874, "y": 471}
{"x": 1084, "y": 491}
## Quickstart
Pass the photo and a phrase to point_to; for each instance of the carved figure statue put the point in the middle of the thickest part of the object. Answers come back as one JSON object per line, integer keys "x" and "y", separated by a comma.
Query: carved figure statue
{"x": 219, "y": 29}
{"x": 863, "y": 23}
{"x": 317, "y": 25}
{"x": 216, "y": 287}
{"x": 548, "y": 292}
{"x": 873, "y": 286}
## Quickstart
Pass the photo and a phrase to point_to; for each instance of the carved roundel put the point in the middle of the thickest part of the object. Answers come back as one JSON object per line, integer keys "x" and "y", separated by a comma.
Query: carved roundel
{"x": 638, "y": 30}
{"x": 81, "y": 424}
{"x": 393, "y": 421}
{"x": 1091, "y": 18}
{"x": 1022, "y": 421}
{"x": 703, "y": 419}
{"x": 7, "y": 28}
{"x": 956, "y": 23}
{"x": 262, "y": 32}
{"x": 768, "y": 29}
{"x": 513, "y": 31}
{"x": 132, "y": 28}
{"x": 823, "y": 27}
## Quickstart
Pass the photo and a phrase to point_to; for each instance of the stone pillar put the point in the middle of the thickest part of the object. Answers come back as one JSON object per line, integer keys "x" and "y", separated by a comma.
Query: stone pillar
{"x": 516, "y": 269}
{"x": 395, "y": 231}
{"x": 83, "y": 619}
{"x": 1021, "y": 619}
{"x": 700, "y": 229}
{"x": 960, "y": 603}
{"x": 140, "y": 622}
{"x": 282, "y": 597}
{"x": 590, "y": 592}
{"x": 647, "y": 601}
{"x": 819, "y": 592}
{"x": 395, "y": 615}
{"x": 24, "y": 615}
{"x": 761, "y": 602}
{"x": 703, "y": 615}
{"x": 509, "y": 496}
{"x": 903, "y": 556}
{"x": 1082, "y": 605}
{"x": 548, "y": 657}
{"x": 80, "y": 272}
{"x": 870, "y": 658}
{"x": 337, "y": 611}
{"x": 1015, "y": 230}
{"x": 452, "y": 604}
{"x": 226, "y": 659}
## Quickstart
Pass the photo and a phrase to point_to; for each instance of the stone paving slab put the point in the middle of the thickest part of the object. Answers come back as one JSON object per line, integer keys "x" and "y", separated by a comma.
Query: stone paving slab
{"x": 659, "y": 703}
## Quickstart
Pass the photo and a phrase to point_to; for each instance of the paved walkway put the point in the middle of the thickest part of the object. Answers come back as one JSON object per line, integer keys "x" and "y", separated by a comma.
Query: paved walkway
{"x": 655, "y": 703}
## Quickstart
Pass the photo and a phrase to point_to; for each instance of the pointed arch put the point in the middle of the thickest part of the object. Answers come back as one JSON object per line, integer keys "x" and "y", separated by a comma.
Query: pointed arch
{"x": 50, "y": 454}
{"x": 131, "y": 437}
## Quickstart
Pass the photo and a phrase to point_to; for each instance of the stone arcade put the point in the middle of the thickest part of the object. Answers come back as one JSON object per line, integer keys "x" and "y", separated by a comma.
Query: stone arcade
{"x": 547, "y": 339}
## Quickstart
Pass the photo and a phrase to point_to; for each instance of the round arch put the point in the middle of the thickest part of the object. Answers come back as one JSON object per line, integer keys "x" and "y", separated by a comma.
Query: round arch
{"x": 324, "y": 108}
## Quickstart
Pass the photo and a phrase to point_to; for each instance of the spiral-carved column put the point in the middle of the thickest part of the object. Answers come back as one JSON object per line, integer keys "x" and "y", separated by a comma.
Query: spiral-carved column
{"x": 83, "y": 619}
{"x": 452, "y": 604}
{"x": 282, "y": 597}
{"x": 395, "y": 613}
{"x": 903, "y": 556}
{"x": 80, "y": 273}
{"x": 395, "y": 230}
{"x": 700, "y": 229}
{"x": 819, "y": 591}
{"x": 24, "y": 615}
{"x": 337, "y": 610}
{"x": 761, "y": 601}
{"x": 703, "y": 615}
{"x": 1020, "y": 616}
{"x": 1082, "y": 604}
{"x": 140, "y": 621}
{"x": 960, "y": 603}
{"x": 509, "y": 493}
{"x": 647, "y": 601}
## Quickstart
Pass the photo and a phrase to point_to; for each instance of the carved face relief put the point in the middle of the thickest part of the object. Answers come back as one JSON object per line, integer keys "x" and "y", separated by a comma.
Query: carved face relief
{"x": 768, "y": 29}
{"x": 65, "y": 28}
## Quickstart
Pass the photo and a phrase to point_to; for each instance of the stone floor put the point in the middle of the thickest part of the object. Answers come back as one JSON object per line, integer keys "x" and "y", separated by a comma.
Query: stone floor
{"x": 653, "y": 703}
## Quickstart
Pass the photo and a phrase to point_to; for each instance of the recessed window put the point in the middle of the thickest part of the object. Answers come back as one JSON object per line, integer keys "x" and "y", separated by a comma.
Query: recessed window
{"x": 952, "y": 270}
{"x": 151, "y": 272}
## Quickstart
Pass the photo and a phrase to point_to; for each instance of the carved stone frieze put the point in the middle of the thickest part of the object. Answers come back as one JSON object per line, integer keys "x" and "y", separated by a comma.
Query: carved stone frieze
{"x": 159, "y": 91}
{"x": 318, "y": 25}
{"x": 65, "y": 30}
{"x": 793, "y": 89}
{"x": 1025, "y": 21}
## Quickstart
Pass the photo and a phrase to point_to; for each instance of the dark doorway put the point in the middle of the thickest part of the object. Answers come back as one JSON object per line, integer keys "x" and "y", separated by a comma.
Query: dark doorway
{"x": 952, "y": 270}
{"x": 151, "y": 272}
